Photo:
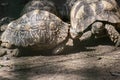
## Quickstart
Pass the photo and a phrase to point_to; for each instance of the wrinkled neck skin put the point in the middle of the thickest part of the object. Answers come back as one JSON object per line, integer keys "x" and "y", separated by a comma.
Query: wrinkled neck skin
{"x": 75, "y": 33}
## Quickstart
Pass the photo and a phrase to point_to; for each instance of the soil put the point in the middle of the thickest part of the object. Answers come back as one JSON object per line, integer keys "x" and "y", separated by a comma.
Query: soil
{"x": 99, "y": 60}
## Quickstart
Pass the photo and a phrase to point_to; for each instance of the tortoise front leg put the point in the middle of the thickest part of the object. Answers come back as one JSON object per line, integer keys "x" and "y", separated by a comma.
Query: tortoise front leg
{"x": 86, "y": 36}
{"x": 97, "y": 30}
{"x": 113, "y": 34}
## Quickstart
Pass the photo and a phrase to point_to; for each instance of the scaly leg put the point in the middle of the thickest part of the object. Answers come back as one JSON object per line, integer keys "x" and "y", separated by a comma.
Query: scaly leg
{"x": 113, "y": 34}
{"x": 87, "y": 35}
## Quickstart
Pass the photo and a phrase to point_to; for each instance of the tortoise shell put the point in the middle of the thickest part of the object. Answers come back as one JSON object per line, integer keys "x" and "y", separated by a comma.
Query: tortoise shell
{"x": 41, "y": 5}
{"x": 39, "y": 29}
{"x": 86, "y": 12}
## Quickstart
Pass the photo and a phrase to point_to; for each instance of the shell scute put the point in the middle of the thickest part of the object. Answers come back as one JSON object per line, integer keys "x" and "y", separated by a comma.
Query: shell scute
{"x": 36, "y": 29}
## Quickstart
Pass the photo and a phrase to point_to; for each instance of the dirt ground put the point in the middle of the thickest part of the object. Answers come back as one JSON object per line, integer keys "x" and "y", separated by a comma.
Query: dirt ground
{"x": 98, "y": 61}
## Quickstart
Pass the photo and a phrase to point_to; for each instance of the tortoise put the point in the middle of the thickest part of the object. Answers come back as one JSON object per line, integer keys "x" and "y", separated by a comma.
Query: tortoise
{"x": 37, "y": 30}
{"x": 41, "y": 5}
{"x": 32, "y": 5}
{"x": 96, "y": 18}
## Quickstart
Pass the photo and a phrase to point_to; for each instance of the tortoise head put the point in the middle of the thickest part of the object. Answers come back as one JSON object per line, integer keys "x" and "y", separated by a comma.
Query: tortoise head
{"x": 76, "y": 32}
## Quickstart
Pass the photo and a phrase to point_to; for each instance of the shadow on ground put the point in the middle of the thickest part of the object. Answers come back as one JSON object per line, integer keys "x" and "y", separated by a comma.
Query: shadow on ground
{"x": 71, "y": 67}
{"x": 97, "y": 60}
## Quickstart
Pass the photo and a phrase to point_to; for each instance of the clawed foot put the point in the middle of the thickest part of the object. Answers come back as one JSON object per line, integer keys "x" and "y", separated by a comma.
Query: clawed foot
{"x": 7, "y": 53}
{"x": 118, "y": 42}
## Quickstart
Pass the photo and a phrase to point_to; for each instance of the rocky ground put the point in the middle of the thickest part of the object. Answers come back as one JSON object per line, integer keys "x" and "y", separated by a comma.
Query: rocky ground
{"x": 98, "y": 61}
